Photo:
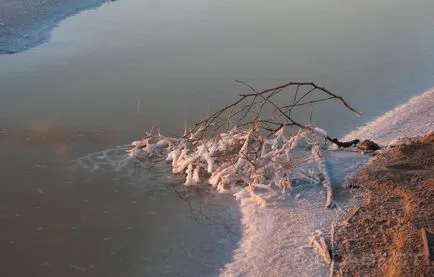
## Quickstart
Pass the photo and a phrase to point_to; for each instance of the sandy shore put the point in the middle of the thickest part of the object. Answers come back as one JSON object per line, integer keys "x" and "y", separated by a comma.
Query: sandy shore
{"x": 275, "y": 240}
{"x": 383, "y": 236}
{"x": 26, "y": 24}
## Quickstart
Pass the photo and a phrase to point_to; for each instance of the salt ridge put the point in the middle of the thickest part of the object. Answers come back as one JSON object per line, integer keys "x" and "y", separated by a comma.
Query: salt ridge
{"x": 414, "y": 118}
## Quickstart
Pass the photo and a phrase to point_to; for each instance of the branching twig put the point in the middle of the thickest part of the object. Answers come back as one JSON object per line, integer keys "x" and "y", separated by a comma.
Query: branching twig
{"x": 249, "y": 142}
{"x": 242, "y": 114}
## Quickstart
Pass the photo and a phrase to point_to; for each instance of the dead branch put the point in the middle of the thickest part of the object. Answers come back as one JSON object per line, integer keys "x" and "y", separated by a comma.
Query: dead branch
{"x": 332, "y": 246}
{"x": 250, "y": 142}
{"x": 249, "y": 110}
{"x": 345, "y": 144}
{"x": 317, "y": 241}
{"x": 316, "y": 151}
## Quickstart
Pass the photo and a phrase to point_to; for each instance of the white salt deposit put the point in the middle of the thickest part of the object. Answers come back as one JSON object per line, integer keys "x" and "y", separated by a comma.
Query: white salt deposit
{"x": 275, "y": 239}
{"x": 282, "y": 202}
{"x": 414, "y": 118}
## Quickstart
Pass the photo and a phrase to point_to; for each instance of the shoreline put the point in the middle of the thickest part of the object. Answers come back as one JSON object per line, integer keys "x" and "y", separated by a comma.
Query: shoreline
{"x": 384, "y": 234}
{"x": 25, "y": 26}
{"x": 274, "y": 240}
{"x": 411, "y": 119}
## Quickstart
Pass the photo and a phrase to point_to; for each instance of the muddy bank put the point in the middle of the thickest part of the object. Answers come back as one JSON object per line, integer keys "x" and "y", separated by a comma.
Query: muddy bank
{"x": 26, "y": 24}
{"x": 382, "y": 237}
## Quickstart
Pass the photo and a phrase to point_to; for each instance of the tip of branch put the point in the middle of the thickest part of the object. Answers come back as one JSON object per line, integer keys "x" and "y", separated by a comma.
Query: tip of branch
{"x": 331, "y": 205}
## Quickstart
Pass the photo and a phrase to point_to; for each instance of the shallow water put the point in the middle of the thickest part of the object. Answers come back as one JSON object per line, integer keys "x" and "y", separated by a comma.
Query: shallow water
{"x": 108, "y": 74}
{"x": 60, "y": 220}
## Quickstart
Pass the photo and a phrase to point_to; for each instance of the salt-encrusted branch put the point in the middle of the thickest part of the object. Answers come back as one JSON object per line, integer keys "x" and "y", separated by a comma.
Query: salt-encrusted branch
{"x": 317, "y": 241}
{"x": 253, "y": 109}
{"x": 327, "y": 183}
{"x": 332, "y": 250}
{"x": 249, "y": 142}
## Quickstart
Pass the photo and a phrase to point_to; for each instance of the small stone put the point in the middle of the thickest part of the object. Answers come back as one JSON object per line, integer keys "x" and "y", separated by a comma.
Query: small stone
{"x": 368, "y": 145}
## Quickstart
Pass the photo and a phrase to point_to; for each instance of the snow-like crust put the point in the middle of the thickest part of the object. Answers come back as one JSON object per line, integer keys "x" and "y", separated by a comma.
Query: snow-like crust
{"x": 275, "y": 240}
{"x": 414, "y": 118}
{"x": 277, "y": 221}
{"x": 239, "y": 160}
{"x": 227, "y": 161}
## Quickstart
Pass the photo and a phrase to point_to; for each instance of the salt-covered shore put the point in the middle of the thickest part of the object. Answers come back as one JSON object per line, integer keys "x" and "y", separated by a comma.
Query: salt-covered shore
{"x": 26, "y": 24}
{"x": 275, "y": 236}
{"x": 414, "y": 118}
{"x": 275, "y": 239}
{"x": 384, "y": 236}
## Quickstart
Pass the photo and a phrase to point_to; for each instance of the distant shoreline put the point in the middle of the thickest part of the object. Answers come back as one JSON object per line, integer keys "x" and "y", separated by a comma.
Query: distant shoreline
{"x": 27, "y": 25}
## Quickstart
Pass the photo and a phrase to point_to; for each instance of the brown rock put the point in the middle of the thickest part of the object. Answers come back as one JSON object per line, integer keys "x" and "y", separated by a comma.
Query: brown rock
{"x": 368, "y": 145}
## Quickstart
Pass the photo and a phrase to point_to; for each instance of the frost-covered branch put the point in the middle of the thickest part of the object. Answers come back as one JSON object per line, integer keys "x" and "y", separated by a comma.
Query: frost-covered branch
{"x": 327, "y": 183}
{"x": 250, "y": 144}
{"x": 317, "y": 241}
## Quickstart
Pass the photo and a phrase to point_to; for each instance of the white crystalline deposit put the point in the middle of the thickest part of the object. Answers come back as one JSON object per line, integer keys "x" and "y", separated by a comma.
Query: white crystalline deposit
{"x": 414, "y": 118}
{"x": 327, "y": 182}
{"x": 265, "y": 167}
{"x": 275, "y": 240}
{"x": 320, "y": 132}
